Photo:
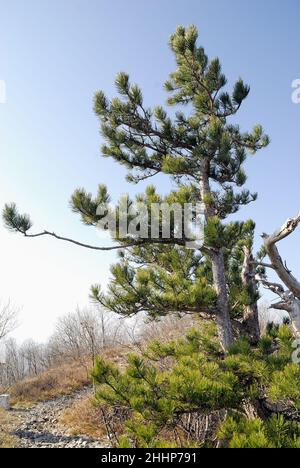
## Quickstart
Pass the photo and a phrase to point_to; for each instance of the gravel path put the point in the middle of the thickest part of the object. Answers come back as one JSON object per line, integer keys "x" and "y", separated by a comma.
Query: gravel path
{"x": 39, "y": 427}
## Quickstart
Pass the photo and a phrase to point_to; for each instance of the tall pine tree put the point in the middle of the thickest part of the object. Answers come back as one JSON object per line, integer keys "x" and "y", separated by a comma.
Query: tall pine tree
{"x": 203, "y": 152}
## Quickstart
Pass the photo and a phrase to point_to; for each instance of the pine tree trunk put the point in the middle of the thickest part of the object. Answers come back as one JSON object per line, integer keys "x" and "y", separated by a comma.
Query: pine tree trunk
{"x": 224, "y": 324}
{"x": 251, "y": 323}
{"x": 223, "y": 316}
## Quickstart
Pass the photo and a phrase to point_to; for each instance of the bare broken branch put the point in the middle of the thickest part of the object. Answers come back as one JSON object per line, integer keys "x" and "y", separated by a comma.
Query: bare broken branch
{"x": 279, "y": 266}
{"x": 290, "y": 299}
{"x": 124, "y": 245}
{"x": 276, "y": 288}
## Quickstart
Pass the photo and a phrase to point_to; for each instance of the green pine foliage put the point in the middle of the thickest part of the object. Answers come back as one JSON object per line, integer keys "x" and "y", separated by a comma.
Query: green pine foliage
{"x": 192, "y": 375}
{"x": 148, "y": 141}
{"x": 173, "y": 279}
{"x": 285, "y": 384}
{"x": 14, "y": 221}
{"x": 240, "y": 433}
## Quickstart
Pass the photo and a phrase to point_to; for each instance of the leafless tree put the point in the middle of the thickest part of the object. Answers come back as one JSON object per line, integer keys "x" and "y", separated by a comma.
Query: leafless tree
{"x": 84, "y": 334}
{"x": 14, "y": 370}
{"x": 32, "y": 356}
{"x": 8, "y": 319}
{"x": 289, "y": 290}
{"x": 79, "y": 336}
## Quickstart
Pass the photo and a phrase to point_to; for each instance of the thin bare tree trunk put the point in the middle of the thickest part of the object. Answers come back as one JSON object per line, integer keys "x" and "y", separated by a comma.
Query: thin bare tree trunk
{"x": 251, "y": 317}
{"x": 290, "y": 300}
{"x": 292, "y": 306}
{"x": 281, "y": 269}
{"x": 294, "y": 312}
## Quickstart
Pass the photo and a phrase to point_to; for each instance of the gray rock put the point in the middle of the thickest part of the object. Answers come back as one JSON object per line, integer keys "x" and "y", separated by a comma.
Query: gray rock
{"x": 39, "y": 426}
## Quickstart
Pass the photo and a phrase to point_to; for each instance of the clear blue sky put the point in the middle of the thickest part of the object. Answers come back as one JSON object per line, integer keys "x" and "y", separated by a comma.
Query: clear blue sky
{"x": 55, "y": 54}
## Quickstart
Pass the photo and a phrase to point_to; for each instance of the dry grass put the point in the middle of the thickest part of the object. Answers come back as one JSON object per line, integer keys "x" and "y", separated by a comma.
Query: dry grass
{"x": 168, "y": 329}
{"x": 64, "y": 380}
{"x": 84, "y": 418}
{"x": 6, "y": 427}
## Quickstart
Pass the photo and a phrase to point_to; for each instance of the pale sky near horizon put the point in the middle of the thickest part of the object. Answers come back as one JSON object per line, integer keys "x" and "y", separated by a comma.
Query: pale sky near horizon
{"x": 54, "y": 55}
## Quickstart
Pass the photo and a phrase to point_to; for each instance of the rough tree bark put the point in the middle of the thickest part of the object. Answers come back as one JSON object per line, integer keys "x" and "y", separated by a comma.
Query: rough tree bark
{"x": 223, "y": 320}
{"x": 290, "y": 299}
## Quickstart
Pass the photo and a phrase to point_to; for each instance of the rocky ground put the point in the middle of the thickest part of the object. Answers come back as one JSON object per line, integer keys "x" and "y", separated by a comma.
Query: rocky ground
{"x": 39, "y": 426}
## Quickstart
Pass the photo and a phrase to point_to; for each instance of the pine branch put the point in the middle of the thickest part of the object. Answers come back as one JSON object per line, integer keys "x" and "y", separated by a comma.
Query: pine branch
{"x": 107, "y": 249}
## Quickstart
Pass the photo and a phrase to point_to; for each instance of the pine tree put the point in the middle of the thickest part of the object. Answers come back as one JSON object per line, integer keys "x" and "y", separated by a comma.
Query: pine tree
{"x": 252, "y": 394}
{"x": 204, "y": 153}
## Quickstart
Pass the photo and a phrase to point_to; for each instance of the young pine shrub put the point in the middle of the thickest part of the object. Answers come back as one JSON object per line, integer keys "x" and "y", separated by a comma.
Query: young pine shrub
{"x": 191, "y": 376}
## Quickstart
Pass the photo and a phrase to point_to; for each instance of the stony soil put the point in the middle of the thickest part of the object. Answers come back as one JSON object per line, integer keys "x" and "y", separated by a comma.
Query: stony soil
{"x": 39, "y": 426}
